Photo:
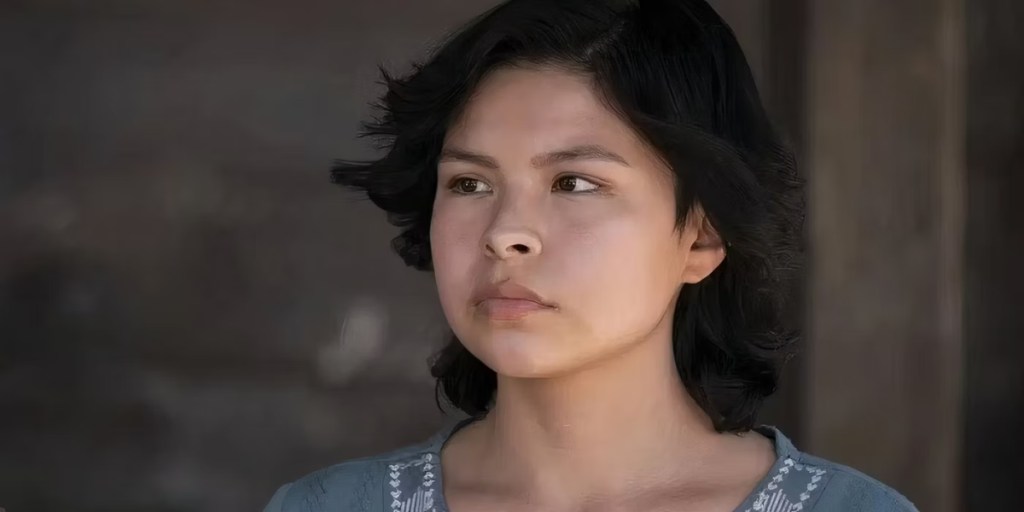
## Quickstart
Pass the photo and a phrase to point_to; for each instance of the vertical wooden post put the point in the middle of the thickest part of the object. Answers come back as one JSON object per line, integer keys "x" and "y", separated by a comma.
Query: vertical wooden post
{"x": 994, "y": 309}
{"x": 885, "y": 160}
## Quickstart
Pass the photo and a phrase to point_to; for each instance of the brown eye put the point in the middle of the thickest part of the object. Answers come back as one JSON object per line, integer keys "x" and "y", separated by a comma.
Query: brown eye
{"x": 468, "y": 186}
{"x": 570, "y": 184}
{"x": 566, "y": 183}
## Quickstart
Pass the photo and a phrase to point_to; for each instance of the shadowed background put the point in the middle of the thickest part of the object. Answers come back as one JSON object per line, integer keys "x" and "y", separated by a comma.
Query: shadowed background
{"x": 191, "y": 315}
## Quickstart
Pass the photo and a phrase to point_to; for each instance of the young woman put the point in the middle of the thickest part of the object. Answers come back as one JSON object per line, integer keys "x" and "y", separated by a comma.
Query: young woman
{"x": 609, "y": 215}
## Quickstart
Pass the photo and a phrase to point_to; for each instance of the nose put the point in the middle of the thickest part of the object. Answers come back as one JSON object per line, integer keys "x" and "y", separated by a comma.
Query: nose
{"x": 511, "y": 244}
{"x": 506, "y": 240}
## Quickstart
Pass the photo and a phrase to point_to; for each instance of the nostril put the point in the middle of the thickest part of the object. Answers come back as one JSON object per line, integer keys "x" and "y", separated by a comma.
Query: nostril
{"x": 520, "y": 248}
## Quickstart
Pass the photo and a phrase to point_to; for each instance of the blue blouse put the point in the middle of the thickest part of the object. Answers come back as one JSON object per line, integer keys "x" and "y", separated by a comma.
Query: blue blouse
{"x": 409, "y": 480}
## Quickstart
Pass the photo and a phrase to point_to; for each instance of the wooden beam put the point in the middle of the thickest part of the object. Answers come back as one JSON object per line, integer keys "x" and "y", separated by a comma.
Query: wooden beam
{"x": 885, "y": 146}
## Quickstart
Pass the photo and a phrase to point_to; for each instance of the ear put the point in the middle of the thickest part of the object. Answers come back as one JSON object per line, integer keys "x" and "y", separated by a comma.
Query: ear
{"x": 705, "y": 252}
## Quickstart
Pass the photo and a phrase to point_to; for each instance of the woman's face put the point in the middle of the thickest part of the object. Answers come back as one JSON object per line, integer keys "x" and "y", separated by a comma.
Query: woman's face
{"x": 553, "y": 234}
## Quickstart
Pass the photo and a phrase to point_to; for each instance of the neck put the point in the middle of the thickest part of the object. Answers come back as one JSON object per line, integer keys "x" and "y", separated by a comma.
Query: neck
{"x": 596, "y": 431}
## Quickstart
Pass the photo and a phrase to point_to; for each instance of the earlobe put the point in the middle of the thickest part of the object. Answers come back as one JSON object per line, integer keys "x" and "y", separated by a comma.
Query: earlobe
{"x": 702, "y": 262}
{"x": 706, "y": 253}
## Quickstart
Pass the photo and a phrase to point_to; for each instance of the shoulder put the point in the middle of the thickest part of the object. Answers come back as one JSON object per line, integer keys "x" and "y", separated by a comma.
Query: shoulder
{"x": 356, "y": 485}
{"x": 846, "y": 489}
{"x": 803, "y": 482}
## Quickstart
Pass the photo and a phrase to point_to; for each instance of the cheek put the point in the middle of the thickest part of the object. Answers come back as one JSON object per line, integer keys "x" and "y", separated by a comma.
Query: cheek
{"x": 623, "y": 267}
{"x": 454, "y": 237}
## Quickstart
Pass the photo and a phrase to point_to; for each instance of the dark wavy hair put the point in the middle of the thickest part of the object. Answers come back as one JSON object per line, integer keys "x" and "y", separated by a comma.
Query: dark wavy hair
{"x": 673, "y": 70}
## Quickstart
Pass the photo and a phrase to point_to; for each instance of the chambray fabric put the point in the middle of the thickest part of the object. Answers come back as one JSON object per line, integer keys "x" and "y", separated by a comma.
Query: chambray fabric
{"x": 409, "y": 480}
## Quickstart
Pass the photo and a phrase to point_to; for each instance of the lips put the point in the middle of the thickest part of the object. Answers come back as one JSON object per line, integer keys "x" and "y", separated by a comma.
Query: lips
{"x": 509, "y": 301}
{"x": 509, "y": 290}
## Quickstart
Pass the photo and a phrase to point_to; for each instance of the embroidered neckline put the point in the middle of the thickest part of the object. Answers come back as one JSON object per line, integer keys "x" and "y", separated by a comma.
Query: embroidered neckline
{"x": 422, "y": 497}
{"x": 413, "y": 480}
{"x": 772, "y": 498}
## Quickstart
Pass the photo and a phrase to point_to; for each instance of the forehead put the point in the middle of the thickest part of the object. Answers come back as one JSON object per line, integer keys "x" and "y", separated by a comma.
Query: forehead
{"x": 540, "y": 107}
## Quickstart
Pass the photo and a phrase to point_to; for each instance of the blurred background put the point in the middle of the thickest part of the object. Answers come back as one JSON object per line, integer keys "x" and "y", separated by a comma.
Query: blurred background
{"x": 191, "y": 315}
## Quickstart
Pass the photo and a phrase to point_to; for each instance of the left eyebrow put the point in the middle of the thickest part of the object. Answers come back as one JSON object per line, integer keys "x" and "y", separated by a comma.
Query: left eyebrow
{"x": 583, "y": 152}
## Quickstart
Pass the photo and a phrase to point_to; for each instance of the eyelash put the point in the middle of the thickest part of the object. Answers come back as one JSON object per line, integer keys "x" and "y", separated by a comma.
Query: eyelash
{"x": 454, "y": 184}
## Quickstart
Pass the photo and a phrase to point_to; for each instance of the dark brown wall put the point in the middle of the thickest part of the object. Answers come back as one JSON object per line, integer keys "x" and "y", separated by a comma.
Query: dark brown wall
{"x": 175, "y": 268}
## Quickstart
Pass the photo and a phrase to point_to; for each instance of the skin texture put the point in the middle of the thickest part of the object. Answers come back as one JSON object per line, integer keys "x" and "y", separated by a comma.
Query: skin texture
{"x": 590, "y": 413}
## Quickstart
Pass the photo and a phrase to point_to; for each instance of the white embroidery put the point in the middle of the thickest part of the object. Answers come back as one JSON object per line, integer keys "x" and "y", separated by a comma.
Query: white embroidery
{"x": 772, "y": 498}
{"x": 422, "y": 499}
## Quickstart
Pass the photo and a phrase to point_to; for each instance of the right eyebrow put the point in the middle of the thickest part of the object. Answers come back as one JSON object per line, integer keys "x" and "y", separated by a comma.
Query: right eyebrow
{"x": 450, "y": 154}
{"x": 580, "y": 152}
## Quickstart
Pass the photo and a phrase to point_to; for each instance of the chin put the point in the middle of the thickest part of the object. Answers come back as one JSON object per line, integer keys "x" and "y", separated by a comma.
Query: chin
{"x": 525, "y": 355}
